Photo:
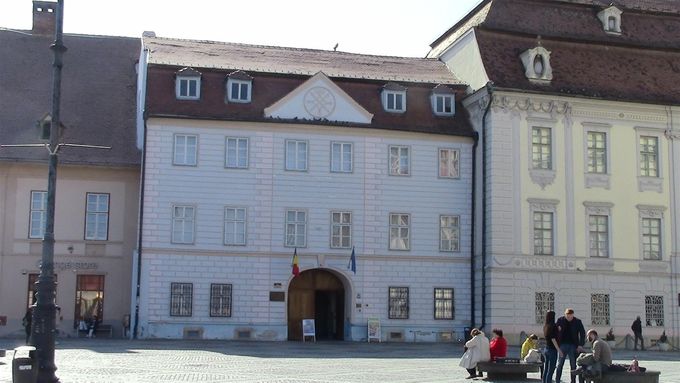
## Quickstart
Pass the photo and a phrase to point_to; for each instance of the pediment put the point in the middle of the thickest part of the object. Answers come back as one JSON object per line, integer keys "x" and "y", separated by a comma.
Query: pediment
{"x": 319, "y": 99}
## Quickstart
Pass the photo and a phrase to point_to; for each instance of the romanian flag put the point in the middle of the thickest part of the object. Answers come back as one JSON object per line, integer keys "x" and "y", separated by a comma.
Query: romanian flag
{"x": 352, "y": 265}
{"x": 295, "y": 264}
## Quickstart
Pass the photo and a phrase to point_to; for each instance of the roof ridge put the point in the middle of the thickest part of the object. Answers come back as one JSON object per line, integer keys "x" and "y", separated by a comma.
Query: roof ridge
{"x": 288, "y": 48}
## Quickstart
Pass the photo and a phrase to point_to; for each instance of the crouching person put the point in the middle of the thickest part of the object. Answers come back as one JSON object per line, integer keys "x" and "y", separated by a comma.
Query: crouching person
{"x": 476, "y": 350}
{"x": 598, "y": 362}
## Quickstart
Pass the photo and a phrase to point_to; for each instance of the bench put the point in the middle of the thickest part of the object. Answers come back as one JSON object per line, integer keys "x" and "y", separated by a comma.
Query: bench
{"x": 509, "y": 371}
{"x": 625, "y": 377}
{"x": 101, "y": 329}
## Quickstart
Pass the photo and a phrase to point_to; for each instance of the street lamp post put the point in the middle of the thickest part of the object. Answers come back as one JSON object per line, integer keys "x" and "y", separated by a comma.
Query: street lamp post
{"x": 45, "y": 312}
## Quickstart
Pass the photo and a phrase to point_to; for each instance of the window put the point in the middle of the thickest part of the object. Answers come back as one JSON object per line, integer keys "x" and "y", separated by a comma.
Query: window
{"x": 296, "y": 228}
{"x": 398, "y": 303}
{"x": 296, "y": 155}
{"x": 181, "y": 297}
{"x": 449, "y": 163}
{"x": 611, "y": 20}
{"x": 597, "y": 152}
{"x": 399, "y": 231}
{"x": 341, "y": 230}
{"x": 449, "y": 233}
{"x": 238, "y": 90}
{"x": 220, "y": 300}
{"x": 545, "y": 301}
{"x": 183, "y": 224}
{"x": 237, "y": 153}
{"x": 234, "y": 226}
{"x": 185, "y": 150}
{"x": 188, "y": 84}
{"x": 97, "y": 217}
{"x": 89, "y": 298}
{"x": 536, "y": 62}
{"x": 541, "y": 148}
{"x": 443, "y": 303}
{"x": 32, "y": 289}
{"x": 654, "y": 310}
{"x": 341, "y": 157}
{"x": 599, "y": 309}
{"x": 400, "y": 164}
{"x": 443, "y": 104}
{"x": 599, "y": 235}
{"x": 649, "y": 156}
{"x": 651, "y": 238}
{"x": 394, "y": 101}
{"x": 37, "y": 214}
{"x": 543, "y": 233}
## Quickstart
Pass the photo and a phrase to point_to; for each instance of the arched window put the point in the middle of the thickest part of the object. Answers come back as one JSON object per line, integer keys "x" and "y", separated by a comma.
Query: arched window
{"x": 539, "y": 65}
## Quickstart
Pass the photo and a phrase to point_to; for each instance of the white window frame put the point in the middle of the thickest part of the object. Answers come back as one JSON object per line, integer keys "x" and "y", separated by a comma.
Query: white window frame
{"x": 296, "y": 153}
{"x": 221, "y": 300}
{"x": 240, "y": 83}
{"x": 40, "y": 212}
{"x": 449, "y": 99}
{"x": 454, "y": 243}
{"x": 400, "y": 227}
{"x": 543, "y": 205}
{"x": 441, "y": 301}
{"x": 646, "y": 182}
{"x": 603, "y": 300}
{"x": 392, "y": 95}
{"x": 451, "y": 162}
{"x": 238, "y": 164}
{"x": 186, "y": 159}
{"x": 595, "y": 154}
{"x": 233, "y": 223}
{"x": 542, "y": 230}
{"x": 340, "y": 226}
{"x": 342, "y": 157}
{"x": 184, "y": 220}
{"x": 100, "y": 216}
{"x": 593, "y": 179}
{"x": 188, "y": 79}
{"x": 656, "y": 213}
{"x": 549, "y": 146}
{"x": 658, "y": 321}
{"x": 397, "y": 171}
{"x": 298, "y": 226}
{"x": 598, "y": 209}
{"x": 547, "y": 304}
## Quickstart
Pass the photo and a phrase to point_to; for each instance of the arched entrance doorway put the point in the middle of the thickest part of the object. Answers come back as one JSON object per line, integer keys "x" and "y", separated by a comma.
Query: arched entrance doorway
{"x": 320, "y": 295}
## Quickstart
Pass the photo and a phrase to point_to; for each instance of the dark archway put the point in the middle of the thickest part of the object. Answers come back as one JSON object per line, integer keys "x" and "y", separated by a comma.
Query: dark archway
{"x": 320, "y": 295}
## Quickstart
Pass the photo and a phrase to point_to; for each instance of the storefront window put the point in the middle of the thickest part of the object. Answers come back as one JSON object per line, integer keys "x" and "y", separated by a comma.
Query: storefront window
{"x": 33, "y": 289}
{"x": 89, "y": 298}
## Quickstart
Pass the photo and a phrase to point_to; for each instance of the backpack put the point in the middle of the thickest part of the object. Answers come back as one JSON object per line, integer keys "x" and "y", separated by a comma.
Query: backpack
{"x": 533, "y": 356}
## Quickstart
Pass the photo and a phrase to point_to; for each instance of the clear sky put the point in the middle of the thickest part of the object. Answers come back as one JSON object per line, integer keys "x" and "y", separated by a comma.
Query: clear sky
{"x": 382, "y": 27}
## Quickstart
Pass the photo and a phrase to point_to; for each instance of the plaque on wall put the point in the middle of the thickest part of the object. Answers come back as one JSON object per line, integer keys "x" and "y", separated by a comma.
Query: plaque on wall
{"x": 277, "y": 296}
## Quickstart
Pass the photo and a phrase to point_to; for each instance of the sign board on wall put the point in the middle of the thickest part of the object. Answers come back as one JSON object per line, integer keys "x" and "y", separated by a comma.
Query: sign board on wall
{"x": 374, "y": 329}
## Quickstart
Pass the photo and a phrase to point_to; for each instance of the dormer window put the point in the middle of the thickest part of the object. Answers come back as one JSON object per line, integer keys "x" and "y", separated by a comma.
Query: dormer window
{"x": 394, "y": 98}
{"x": 443, "y": 101}
{"x": 537, "y": 65}
{"x": 188, "y": 84}
{"x": 611, "y": 20}
{"x": 239, "y": 87}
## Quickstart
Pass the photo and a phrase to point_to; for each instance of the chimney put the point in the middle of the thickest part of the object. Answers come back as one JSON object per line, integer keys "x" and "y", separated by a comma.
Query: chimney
{"x": 44, "y": 17}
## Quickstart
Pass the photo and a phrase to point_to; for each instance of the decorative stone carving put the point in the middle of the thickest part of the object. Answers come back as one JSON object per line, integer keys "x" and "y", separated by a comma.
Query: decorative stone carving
{"x": 543, "y": 204}
{"x": 531, "y": 105}
{"x": 534, "y": 262}
{"x": 650, "y": 211}
{"x": 597, "y": 180}
{"x": 653, "y": 266}
{"x": 650, "y": 184}
{"x": 604, "y": 264}
{"x": 598, "y": 208}
{"x": 542, "y": 178}
{"x": 672, "y": 134}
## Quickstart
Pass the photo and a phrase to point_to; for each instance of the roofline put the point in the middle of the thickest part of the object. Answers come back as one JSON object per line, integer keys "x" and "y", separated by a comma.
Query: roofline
{"x": 27, "y": 32}
{"x": 126, "y": 165}
{"x": 302, "y": 122}
{"x": 463, "y": 20}
{"x": 580, "y": 96}
{"x": 462, "y": 85}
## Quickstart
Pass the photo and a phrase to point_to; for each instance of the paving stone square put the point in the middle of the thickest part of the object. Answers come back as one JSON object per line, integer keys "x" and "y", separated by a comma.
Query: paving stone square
{"x": 112, "y": 361}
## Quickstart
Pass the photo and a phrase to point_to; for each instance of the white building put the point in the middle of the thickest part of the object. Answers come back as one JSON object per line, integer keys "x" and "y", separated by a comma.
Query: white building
{"x": 581, "y": 166}
{"x": 255, "y": 153}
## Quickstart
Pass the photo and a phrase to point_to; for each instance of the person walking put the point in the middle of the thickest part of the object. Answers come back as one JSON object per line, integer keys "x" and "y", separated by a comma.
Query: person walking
{"x": 552, "y": 348}
{"x": 476, "y": 350}
{"x": 27, "y": 321}
{"x": 637, "y": 331}
{"x": 571, "y": 340}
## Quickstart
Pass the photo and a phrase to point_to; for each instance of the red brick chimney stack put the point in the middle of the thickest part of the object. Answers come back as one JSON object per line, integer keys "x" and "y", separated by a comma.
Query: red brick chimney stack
{"x": 44, "y": 17}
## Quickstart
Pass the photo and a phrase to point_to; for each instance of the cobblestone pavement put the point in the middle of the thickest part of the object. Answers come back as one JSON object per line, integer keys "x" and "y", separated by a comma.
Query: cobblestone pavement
{"x": 111, "y": 361}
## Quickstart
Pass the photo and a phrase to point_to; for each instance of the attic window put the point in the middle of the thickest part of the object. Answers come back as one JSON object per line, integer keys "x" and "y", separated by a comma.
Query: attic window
{"x": 188, "y": 84}
{"x": 537, "y": 65}
{"x": 239, "y": 87}
{"x": 443, "y": 101}
{"x": 394, "y": 98}
{"x": 611, "y": 20}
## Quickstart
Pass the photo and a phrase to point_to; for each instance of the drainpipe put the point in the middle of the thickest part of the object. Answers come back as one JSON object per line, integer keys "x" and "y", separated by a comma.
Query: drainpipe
{"x": 489, "y": 91}
{"x": 139, "y": 235}
{"x": 472, "y": 231}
